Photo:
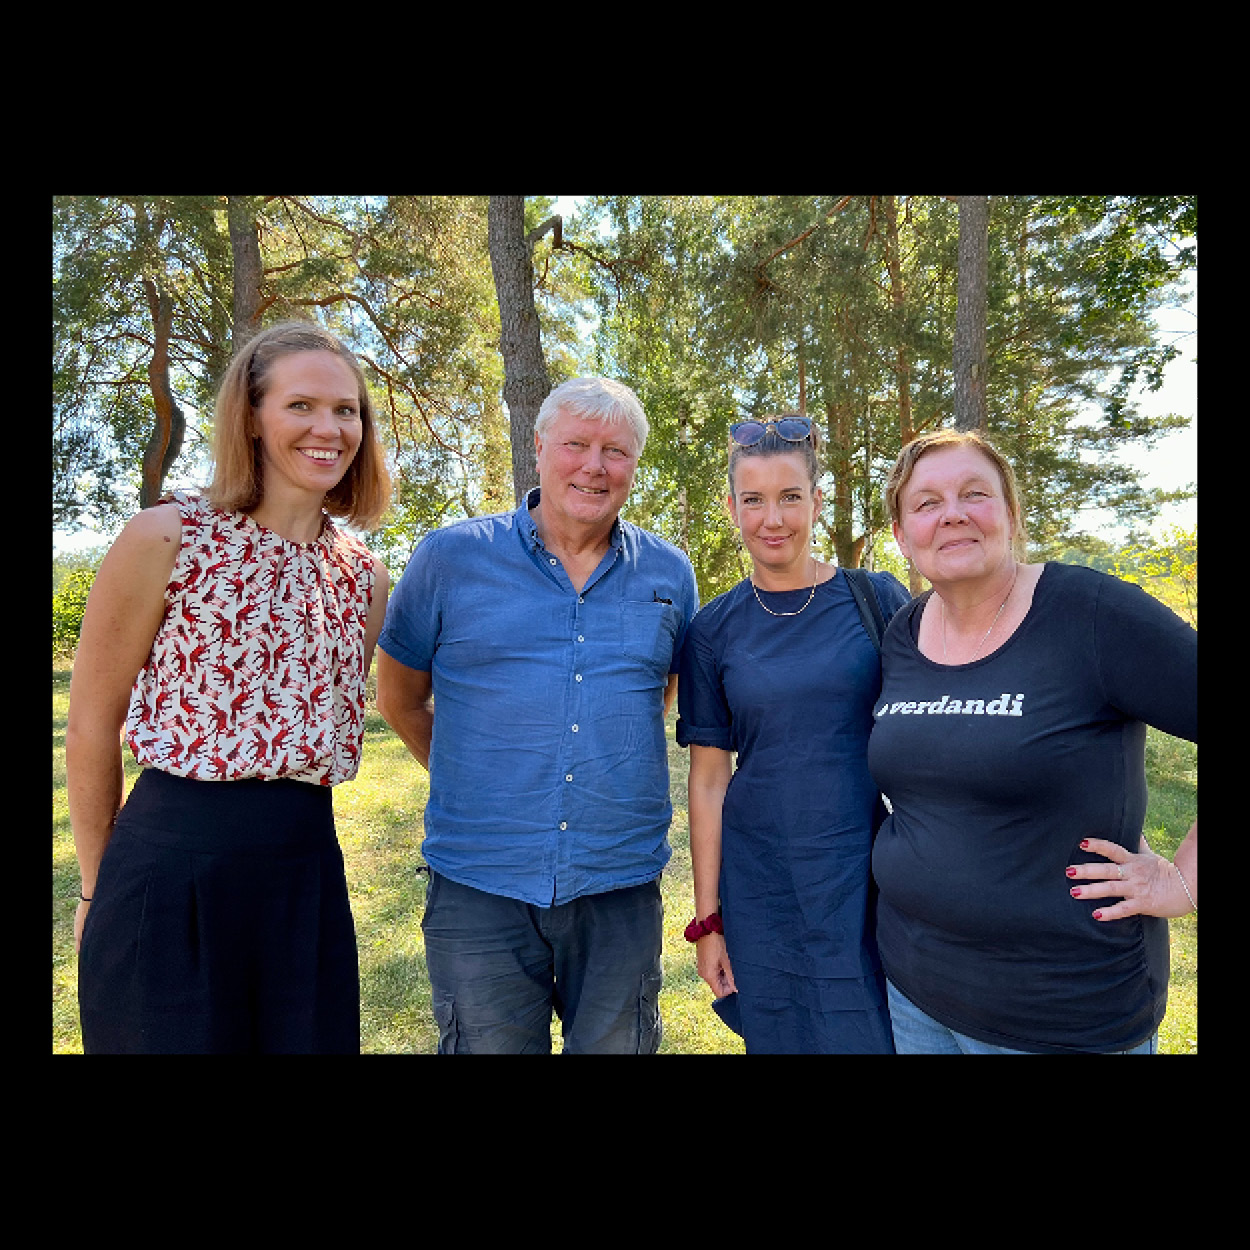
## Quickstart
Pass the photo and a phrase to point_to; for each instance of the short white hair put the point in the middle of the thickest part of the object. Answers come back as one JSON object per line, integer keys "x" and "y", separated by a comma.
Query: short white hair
{"x": 599, "y": 399}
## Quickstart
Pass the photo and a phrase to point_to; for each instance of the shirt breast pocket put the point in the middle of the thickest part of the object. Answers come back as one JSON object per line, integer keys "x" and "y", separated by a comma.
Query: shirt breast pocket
{"x": 648, "y": 634}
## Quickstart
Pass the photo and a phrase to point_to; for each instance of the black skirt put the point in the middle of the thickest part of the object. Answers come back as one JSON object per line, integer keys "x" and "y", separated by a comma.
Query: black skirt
{"x": 220, "y": 924}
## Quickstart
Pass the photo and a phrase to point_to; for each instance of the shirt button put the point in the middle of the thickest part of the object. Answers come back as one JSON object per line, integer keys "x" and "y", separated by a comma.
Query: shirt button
{"x": 564, "y": 824}
{"x": 551, "y": 561}
{"x": 568, "y": 776}
{"x": 574, "y": 728}
{"x": 578, "y": 676}
{"x": 580, "y": 638}
{"x": 580, "y": 599}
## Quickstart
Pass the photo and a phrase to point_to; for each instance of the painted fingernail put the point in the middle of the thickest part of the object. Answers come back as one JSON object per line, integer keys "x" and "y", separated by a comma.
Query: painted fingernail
{"x": 1075, "y": 891}
{"x": 1085, "y": 845}
{"x": 1098, "y": 915}
{"x": 1070, "y": 871}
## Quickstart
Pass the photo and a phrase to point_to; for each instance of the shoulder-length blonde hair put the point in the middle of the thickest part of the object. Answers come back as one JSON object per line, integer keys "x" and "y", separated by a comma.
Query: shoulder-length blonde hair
{"x": 364, "y": 492}
{"x": 905, "y": 466}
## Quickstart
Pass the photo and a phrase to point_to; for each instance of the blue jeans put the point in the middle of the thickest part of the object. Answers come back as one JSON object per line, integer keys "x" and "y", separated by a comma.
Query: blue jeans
{"x": 499, "y": 967}
{"x": 916, "y": 1033}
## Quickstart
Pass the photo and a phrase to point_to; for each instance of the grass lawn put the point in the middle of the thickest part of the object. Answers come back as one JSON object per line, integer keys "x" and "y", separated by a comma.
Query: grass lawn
{"x": 379, "y": 824}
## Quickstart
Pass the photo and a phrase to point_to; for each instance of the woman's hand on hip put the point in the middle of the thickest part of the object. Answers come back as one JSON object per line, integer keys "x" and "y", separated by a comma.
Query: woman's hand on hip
{"x": 1145, "y": 883}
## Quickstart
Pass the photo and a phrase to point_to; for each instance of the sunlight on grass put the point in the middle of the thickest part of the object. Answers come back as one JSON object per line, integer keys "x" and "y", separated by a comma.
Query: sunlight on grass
{"x": 379, "y": 823}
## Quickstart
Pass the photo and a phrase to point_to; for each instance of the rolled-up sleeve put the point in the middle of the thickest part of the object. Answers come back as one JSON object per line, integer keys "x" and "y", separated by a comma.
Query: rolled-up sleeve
{"x": 703, "y": 714}
{"x": 413, "y": 615}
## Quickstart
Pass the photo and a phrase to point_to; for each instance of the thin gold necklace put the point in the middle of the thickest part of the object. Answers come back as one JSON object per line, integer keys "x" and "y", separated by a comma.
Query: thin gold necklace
{"x": 811, "y": 594}
{"x": 994, "y": 622}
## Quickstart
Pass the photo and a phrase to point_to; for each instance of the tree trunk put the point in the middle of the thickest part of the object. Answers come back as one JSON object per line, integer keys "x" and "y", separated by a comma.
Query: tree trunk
{"x": 166, "y": 441}
{"x": 526, "y": 383}
{"x": 245, "y": 247}
{"x": 838, "y": 462}
{"x": 902, "y": 362}
{"x": 969, "y": 355}
{"x": 898, "y": 300}
{"x": 683, "y": 496}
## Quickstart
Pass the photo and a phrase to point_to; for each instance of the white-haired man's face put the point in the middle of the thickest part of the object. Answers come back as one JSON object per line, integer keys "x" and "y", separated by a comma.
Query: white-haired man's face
{"x": 585, "y": 469}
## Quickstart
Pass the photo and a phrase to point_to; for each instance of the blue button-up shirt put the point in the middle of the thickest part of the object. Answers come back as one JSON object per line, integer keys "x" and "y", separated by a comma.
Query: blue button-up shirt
{"x": 548, "y": 763}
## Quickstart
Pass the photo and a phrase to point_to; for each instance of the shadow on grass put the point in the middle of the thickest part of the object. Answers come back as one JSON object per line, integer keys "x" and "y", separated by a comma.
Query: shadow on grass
{"x": 380, "y": 828}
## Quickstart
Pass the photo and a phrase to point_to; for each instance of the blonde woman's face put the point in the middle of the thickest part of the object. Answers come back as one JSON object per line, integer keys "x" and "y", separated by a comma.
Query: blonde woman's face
{"x": 309, "y": 423}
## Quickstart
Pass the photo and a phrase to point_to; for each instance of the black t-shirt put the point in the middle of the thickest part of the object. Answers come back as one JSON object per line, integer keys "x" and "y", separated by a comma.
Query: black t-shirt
{"x": 996, "y": 770}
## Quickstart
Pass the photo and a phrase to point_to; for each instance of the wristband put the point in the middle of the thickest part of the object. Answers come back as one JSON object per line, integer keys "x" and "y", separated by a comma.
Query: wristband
{"x": 83, "y": 897}
{"x": 701, "y": 928}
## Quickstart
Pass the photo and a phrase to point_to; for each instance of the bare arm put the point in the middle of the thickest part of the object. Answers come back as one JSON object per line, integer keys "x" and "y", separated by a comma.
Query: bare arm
{"x": 1186, "y": 860}
{"x": 710, "y": 771}
{"x": 670, "y": 693}
{"x": 405, "y": 703}
{"x": 123, "y": 613}
{"x": 377, "y": 610}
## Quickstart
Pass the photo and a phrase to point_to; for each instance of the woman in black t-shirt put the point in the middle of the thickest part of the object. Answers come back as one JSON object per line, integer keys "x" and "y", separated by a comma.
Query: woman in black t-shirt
{"x": 1020, "y": 909}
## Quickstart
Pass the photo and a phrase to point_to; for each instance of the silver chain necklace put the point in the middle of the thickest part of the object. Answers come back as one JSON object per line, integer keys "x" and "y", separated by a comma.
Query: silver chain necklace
{"x": 989, "y": 631}
{"x": 811, "y": 594}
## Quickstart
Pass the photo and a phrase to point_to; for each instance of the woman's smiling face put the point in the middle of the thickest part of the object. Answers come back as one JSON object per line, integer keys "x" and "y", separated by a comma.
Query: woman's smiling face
{"x": 954, "y": 521}
{"x": 309, "y": 423}
{"x": 774, "y": 507}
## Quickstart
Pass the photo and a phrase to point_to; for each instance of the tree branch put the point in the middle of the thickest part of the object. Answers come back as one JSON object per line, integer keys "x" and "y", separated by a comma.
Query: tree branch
{"x": 556, "y": 225}
{"x": 560, "y": 244}
{"x": 392, "y": 384}
{"x": 785, "y": 247}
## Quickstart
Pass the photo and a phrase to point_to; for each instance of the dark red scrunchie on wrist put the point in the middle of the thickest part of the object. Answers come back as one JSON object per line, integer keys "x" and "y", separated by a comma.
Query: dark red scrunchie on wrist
{"x": 701, "y": 928}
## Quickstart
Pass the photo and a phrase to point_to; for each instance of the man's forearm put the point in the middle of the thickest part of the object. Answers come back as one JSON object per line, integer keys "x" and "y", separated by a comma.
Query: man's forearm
{"x": 405, "y": 702}
{"x": 415, "y": 727}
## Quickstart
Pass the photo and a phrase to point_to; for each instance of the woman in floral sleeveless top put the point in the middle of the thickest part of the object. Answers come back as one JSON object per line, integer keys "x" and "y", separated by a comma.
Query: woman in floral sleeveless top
{"x": 231, "y": 635}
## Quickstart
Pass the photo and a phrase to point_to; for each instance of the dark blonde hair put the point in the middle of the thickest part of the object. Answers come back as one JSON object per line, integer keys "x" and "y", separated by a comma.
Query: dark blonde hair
{"x": 905, "y": 466}
{"x": 364, "y": 492}
{"x": 772, "y": 444}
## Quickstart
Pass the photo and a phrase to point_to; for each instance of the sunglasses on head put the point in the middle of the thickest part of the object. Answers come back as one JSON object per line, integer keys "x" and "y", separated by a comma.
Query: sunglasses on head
{"x": 792, "y": 429}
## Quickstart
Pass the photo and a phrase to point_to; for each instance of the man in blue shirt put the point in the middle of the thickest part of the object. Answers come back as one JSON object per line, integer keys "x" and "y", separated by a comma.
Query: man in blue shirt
{"x": 547, "y": 640}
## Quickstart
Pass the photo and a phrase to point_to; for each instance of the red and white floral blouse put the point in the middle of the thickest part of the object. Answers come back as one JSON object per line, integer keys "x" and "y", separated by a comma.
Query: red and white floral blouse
{"x": 257, "y": 669}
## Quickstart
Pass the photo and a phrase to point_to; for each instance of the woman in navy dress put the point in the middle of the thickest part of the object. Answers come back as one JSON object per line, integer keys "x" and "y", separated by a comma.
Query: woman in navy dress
{"x": 781, "y": 672}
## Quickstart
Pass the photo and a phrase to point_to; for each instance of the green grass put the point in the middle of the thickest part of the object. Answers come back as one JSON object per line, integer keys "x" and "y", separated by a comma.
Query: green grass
{"x": 379, "y": 824}
{"x": 1172, "y": 773}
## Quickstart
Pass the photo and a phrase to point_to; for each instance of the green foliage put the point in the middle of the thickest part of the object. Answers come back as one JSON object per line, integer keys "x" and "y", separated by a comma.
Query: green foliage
{"x": 709, "y": 306}
{"x": 111, "y": 256}
{"x": 845, "y": 306}
{"x": 405, "y": 280}
{"x": 885, "y": 557}
{"x": 72, "y": 576}
{"x": 1167, "y": 567}
{"x": 68, "y": 604}
{"x": 1134, "y": 248}
{"x": 66, "y": 562}
{"x": 1088, "y": 550}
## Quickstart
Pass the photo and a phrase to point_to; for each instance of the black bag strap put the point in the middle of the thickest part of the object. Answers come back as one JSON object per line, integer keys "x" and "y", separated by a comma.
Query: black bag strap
{"x": 865, "y": 597}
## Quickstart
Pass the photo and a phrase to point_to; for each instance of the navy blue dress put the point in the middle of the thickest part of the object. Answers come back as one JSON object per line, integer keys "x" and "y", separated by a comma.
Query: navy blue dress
{"x": 793, "y": 696}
